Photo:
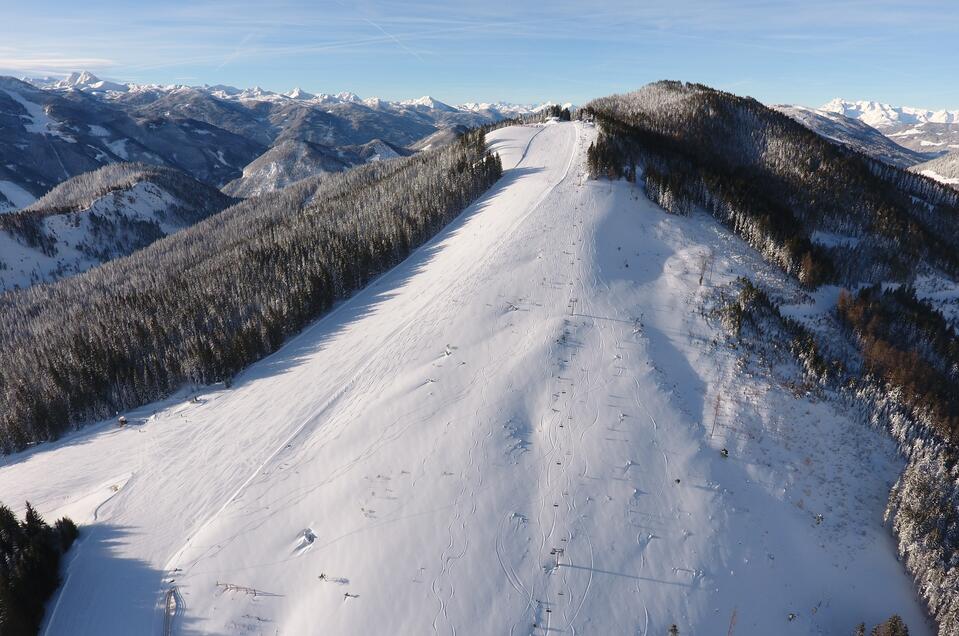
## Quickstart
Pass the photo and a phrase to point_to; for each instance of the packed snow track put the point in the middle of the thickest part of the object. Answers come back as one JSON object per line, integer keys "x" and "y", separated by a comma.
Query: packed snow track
{"x": 515, "y": 431}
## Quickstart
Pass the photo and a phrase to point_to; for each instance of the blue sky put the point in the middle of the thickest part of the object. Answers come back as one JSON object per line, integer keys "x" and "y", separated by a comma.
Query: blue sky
{"x": 904, "y": 53}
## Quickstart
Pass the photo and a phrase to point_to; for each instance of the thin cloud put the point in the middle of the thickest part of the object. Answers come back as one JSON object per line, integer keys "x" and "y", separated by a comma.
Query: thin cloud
{"x": 53, "y": 65}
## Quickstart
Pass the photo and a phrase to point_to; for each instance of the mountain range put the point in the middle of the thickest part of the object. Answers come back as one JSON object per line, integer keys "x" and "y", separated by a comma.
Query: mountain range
{"x": 211, "y": 133}
{"x": 496, "y": 375}
{"x": 245, "y": 142}
{"x": 924, "y": 141}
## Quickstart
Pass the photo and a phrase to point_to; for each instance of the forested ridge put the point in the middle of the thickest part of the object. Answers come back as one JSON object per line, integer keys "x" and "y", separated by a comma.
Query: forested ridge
{"x": 80, "y": 191}
{"x": 114, "y": 228}
{"x": 824, "y": 214}
{"x": 200, "y": 305}
{"x": 776, "y": 183}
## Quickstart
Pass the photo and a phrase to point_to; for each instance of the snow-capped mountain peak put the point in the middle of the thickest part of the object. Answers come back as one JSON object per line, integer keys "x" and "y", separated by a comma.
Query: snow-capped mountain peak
{"x": 87, "y": 81}
{"x": 83, "y": 78}
{"x": 299, "y": 93}
{"x": 427, "y": 102}
{"x": 881, "y": 115}
{"x": 255, "y": 93}
{"x": 348, "y": 97}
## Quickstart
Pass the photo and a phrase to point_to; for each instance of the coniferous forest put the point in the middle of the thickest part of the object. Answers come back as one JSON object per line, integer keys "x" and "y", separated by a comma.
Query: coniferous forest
{"x": 776, "y": 184}
{"x": 200, "y": 305}
{"x": 30, "y": 554}
{"x": 824, "y": 214}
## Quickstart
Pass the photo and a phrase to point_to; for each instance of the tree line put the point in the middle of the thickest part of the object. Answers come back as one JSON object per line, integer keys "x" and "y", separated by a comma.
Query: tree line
{"x": 909, "y": 371}
{"x": 200, "y": 305}
{"x": 824, "y": 214}
{"x": 776, "y": 184}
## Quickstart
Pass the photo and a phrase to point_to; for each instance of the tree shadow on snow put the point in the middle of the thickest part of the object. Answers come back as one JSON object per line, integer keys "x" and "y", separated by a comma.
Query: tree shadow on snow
{"x": 368, "y": 300}
{"x": 103, "y": 592}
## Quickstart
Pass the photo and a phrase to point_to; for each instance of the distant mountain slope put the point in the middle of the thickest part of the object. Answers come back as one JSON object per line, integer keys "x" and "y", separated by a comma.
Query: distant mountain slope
{"x": 53, "y": 129}
{"x": 879, "y": 115}
{"x": 332, "y": 120}
{"x": 183, "y": 102}
{"x": 918, "y": 129}
{"x": 441, "y": 137}
{"x": 291, "y": 160}
{"x": 48, "y": 136}
{"x": 944, "y": 169}
{"x": 285, "y": 163}
{"x": 856, "y": 134}
{"x": 98, "y": 216}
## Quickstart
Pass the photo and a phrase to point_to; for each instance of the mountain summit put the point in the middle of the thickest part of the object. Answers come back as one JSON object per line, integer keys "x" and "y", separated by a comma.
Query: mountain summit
{"x": 880, "y": 115}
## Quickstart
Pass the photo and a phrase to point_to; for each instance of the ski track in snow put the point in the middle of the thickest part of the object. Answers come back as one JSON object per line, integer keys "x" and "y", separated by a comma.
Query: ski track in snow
{"x": 484, "y": 441}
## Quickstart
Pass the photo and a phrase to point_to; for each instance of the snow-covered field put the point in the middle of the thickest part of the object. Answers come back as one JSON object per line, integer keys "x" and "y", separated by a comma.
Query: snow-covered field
{"x": 516, "y": 431}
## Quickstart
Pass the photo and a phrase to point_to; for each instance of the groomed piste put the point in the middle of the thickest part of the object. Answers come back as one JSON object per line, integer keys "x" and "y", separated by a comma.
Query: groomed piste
{"x": 518, "y": 430}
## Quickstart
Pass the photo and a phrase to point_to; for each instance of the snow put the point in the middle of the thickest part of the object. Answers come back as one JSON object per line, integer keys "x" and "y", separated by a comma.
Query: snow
{"x": 427, "y": 102}
{"x": 816, "y": 305}
{"x": 299, "y": 93}
{"x": 37, "y": 121}
{"x": 504, "y": 108}
{"x": 382, "y": 152}
{"x": 87, "y": 81}
{"x": 16, "y": 195}
{"x": 942, "y": 292}
{"x": 518, "y": 425}
{"x": 119, "y": 148}
{"x": 881, "y": 115}
{"x": 932, "y": 174}
{"x": 27, "y": 265}
{"x": 830, "y": 239}
{"x": 98, "y": 131}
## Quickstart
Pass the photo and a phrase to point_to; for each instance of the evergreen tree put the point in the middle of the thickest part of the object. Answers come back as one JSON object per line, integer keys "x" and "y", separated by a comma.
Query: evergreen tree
{"x": 200, "y": 305}
{"x": 30, "y": 553}
{"x": 894, "y": 626}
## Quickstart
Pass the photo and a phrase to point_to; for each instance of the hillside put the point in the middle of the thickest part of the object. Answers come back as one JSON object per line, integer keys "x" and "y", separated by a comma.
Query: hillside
{"x": 212, "y": 133}
{"x": 289, "y": 161}
{"x": 98, "y": 216}
{"x": 944, "y": 169}
{"x": 68, "y": 132}
{"x": 286, "y": 163}
{"x": 527, "y": 414}
{"x": 918, "y": 129}
{"x": 855, "y": 134}
{"x": 203, "y": 303}
{"x": 439, "y": 138}
{"x": 874, "y": 248}
{"x": 796, "y": 196}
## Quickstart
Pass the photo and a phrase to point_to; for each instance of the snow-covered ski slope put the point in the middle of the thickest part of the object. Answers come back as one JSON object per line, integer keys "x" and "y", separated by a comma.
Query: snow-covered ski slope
{"x": 516, "y": 431}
